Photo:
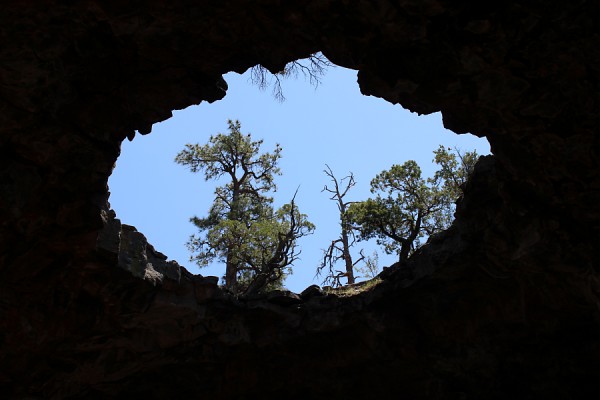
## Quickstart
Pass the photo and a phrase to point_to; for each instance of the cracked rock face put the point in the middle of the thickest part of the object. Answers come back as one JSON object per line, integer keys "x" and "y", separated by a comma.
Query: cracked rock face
{"x": 505, "y": 304}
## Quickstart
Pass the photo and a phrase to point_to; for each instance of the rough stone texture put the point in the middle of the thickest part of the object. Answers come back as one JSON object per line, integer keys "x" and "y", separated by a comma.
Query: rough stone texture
{"x": 505, "y": 304}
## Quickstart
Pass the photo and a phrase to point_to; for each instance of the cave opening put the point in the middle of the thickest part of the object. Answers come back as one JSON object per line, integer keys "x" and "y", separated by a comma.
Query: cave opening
{"x": 330, "y": 123}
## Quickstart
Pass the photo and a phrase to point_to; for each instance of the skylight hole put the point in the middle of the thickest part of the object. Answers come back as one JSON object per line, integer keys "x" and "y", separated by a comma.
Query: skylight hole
{"x": 333, "y": 124}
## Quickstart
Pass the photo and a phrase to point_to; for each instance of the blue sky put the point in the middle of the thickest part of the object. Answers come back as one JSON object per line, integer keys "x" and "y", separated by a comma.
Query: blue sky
{"x": 332, "y": 124}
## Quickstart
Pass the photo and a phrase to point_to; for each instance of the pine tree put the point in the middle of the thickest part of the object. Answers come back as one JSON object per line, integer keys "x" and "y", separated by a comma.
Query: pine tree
{"x": 257, "y": 243}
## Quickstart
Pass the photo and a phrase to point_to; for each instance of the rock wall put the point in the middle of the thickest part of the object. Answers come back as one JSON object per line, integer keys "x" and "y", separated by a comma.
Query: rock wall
{"x": 505, "y": 304}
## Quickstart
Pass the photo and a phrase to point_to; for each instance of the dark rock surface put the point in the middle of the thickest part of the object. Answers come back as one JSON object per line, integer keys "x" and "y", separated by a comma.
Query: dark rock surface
{"x": 505, "y": 304}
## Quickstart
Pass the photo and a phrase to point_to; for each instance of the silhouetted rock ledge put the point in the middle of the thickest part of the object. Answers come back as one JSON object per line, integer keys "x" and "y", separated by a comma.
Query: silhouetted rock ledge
{"x": 503, "y": 305}
{"x": 133, "y": 252}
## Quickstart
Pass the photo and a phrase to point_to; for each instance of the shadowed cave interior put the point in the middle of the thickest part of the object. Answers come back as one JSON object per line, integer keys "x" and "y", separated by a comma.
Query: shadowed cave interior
{"x": 502, "y": 305}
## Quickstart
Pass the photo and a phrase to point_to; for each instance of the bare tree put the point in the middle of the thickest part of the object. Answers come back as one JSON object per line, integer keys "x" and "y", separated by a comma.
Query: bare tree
{"x": 339, "y": 249}
{"x": 370, "y": 267}
{"x": 311, "y": 68}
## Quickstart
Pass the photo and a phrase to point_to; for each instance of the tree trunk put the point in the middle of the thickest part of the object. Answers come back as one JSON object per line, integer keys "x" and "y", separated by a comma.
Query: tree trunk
{"x": 404, "y": 250}
{"x": 347, "y": 257}
{"x": 259, "y": 282}
{"x": 230, "y": 274}
{"x": 231, "y": 269}
{"x": 407, "y": 243}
